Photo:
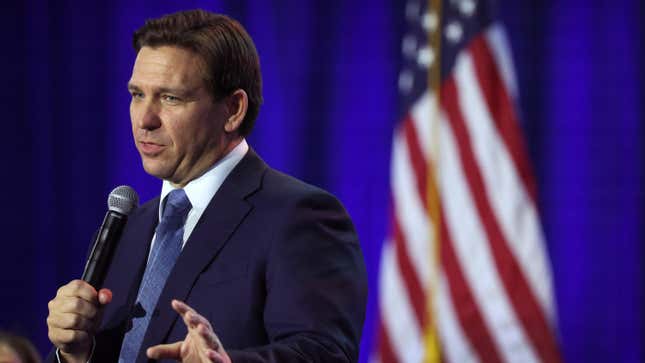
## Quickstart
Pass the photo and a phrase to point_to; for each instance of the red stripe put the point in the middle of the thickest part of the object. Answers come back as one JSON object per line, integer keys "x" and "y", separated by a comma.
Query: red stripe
{"x": 415, "y": 290}
{"x": 464, "y": 303}
{"x": 384, "y": 344}
{"x": 417, "y": 160}
{"x": 502, "y": 110}
{"x": 519, "y": 292}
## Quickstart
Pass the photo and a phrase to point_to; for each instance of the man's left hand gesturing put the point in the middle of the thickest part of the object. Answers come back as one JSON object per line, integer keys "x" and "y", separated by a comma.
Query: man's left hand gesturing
{"x": 201, "y": 345}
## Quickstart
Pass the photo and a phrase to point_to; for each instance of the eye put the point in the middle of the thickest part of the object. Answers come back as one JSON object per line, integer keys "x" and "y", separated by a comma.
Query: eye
{"x": 136, "y": 95}
{"x": 170, "y": 99}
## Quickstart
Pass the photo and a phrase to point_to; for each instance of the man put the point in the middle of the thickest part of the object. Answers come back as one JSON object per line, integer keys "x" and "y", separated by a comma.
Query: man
{"x": 270, "y": 268}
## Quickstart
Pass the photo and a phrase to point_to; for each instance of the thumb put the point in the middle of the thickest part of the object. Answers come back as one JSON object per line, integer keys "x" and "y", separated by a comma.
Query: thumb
{"x": 165, "y": 351}
{"x": 105, "y": 296}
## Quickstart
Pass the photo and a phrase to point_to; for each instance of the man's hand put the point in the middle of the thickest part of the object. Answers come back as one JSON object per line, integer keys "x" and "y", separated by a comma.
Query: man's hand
{"x": 200, "y": 345}
{"x": 74, "y": 316}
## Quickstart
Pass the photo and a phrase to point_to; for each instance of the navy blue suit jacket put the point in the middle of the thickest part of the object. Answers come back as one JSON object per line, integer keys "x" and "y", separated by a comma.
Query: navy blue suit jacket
{"x": 274, "y": 264}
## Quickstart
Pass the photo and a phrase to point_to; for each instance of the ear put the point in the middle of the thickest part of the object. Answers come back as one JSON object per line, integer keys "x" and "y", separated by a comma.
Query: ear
{"x": 237, "y": 104}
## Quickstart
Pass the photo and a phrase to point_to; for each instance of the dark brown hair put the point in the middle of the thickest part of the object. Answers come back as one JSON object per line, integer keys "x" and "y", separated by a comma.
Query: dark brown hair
{"x": 228, "y": 51}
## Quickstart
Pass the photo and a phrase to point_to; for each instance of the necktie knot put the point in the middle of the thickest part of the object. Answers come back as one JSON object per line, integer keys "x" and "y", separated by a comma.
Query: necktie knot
{"x": 176, "y": 207}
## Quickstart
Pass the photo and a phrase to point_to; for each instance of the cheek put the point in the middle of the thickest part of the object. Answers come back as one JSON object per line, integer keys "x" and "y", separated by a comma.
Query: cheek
{"x": 133, "y": 109}
{"x": 133, "y": 117}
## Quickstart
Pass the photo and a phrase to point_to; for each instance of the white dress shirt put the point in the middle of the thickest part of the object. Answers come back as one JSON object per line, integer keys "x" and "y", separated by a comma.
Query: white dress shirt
{"x": 200, "y": 191}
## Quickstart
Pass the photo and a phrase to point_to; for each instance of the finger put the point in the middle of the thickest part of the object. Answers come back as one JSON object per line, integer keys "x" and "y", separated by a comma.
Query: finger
{"x": 218, "y": 357}
{"x": 180, "y": 307}
{"x": 193, "y": 319}
{"x": 209, "y": 336}
{"x": 70, "y": 321}
{"x": 211, "y": 354}
{"x": 165, "y": 351}
{"x": 105, "y": 296}
{"x": 79, "y": 288}
{"x": 73, "y": 305}
{"x": 62, "y": 305}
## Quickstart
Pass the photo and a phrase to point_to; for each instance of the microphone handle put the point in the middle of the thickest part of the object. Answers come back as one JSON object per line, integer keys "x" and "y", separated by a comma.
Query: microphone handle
{"x": 103, "y": 248}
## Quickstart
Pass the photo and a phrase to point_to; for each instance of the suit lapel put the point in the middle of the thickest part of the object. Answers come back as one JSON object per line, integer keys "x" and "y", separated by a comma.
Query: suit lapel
{"x": 225, "y": 212}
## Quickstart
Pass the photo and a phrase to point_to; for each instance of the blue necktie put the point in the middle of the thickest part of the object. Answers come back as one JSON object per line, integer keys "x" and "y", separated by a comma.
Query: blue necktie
{"x": 166, "y": 249}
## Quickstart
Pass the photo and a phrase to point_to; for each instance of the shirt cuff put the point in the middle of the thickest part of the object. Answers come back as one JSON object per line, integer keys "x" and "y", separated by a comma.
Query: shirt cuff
{"x": 89, "y": 359}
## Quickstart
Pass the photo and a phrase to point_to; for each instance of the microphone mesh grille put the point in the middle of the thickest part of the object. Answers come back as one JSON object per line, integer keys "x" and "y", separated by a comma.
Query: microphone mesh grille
{"x": 123, "y": 199}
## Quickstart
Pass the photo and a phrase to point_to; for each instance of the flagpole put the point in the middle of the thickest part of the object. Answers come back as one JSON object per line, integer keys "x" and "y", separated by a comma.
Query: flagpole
{"x": 431, "y": 338}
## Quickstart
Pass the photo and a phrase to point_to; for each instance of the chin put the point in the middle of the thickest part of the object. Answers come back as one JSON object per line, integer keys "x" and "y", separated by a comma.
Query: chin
{"x": 156, "y": 170}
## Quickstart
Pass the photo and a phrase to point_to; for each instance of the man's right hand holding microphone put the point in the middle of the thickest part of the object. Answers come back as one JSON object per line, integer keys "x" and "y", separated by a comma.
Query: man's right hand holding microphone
{"x": 74, "y": 317}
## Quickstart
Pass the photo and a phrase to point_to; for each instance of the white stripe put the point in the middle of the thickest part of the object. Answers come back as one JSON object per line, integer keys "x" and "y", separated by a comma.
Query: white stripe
{"x": 398, "y": 319}
{"x": 426, "y": 118}
{"x": 454, "y": 343}
{"x": 513, "y": 208}
{"x": 499, "y": 46}
{"x": 473, "y": 252}
{"x": 410, "y": 212}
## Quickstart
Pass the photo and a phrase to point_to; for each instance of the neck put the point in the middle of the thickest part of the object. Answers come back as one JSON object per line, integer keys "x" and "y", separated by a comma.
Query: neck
{"x": 229, "y": 146}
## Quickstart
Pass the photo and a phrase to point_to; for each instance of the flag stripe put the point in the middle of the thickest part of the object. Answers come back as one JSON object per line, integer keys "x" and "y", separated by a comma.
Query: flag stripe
{"x": 501, "y": 108}
{"x": 413, "y": 288}
{"x": 419, "y": 164}
{"x": 501, "y": 51}
{"x": 398, "y": 319}
{"x": 467, "y": 310}
{"x": 385, "y": 348}
{"x": 425, "y": 116}
{"x": 503, "y": 186}
{"x": 511, "y": 275}
{"x": 414, "y": 224}
{"x": 472, "y": 248}
{"x": 455, "y": 345}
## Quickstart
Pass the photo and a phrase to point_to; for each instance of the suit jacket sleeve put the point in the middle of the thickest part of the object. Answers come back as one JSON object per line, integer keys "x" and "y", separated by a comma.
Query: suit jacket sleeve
{"x": 316, "y": 287}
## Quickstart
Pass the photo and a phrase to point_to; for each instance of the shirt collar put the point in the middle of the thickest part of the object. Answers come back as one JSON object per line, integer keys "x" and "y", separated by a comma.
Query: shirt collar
{"x": 200, "y": 191}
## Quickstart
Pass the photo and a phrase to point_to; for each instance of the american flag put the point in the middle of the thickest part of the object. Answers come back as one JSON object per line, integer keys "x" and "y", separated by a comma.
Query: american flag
{"x": 464, "y": 273}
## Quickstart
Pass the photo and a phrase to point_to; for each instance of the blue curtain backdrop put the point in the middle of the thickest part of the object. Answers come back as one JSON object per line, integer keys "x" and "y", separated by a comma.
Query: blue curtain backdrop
{"x": 330, "y": 73}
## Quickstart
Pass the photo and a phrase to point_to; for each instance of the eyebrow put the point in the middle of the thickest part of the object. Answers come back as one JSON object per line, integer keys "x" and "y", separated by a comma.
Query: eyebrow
{"x": 180, "y": 91}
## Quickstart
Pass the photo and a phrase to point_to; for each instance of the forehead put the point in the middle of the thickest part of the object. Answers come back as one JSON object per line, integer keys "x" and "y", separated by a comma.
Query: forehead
{"x": 167, "y": 66}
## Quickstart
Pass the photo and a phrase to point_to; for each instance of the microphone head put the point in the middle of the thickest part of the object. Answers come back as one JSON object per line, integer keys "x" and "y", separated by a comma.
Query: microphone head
{"x": 123, "y": 199}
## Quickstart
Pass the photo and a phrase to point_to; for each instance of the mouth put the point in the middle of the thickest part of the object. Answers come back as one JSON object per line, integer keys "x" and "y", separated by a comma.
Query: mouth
{"x": 150, "y": 148}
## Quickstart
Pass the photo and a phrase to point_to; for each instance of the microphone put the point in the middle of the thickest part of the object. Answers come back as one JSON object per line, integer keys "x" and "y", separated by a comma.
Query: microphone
{"x": 121, "y": 201}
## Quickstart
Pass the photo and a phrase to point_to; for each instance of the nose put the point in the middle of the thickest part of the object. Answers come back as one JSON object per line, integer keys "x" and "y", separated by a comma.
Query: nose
{"x": 146, "y": 115}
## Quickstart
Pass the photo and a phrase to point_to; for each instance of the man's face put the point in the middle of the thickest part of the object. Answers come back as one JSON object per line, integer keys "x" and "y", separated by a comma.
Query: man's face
{"x": 177, "y": 126}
